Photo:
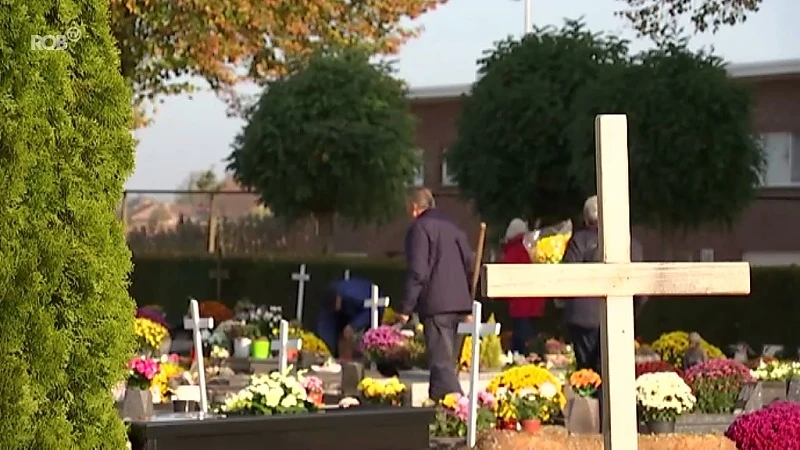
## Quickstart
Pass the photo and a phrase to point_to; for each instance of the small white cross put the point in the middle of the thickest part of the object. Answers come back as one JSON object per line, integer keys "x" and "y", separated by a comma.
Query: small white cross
{"x": 374, "y": 303}
{"x": 195, "y": 323}
{"x": 301, "y": 277}
{"x": 284, "y": 344}
{"x": 347, "y": 274}
{"x": 476, "y": 329}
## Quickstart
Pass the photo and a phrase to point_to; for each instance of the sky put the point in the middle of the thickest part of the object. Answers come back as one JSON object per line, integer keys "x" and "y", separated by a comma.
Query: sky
{"x": 191, "y": 134}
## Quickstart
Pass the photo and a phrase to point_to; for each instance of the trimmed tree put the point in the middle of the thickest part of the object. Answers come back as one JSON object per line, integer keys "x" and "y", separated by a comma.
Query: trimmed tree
{"x": 510, "y": 156}
{"x": 333, "y": 139}
{"x": 66, "y": 319}
{"x": 526, "y": 136}
{"x": 659, "y": 18}
{"x": 695, "y": 159}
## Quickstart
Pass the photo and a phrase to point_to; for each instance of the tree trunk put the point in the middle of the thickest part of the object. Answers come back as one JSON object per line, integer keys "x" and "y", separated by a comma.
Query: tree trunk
{"x": 325, "y": 229}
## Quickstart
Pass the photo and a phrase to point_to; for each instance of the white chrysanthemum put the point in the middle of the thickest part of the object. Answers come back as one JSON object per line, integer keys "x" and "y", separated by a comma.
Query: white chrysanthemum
{"x": 289, "y": 401}
{"x": 273, "y": 397}
{"x": 548, "y": 390}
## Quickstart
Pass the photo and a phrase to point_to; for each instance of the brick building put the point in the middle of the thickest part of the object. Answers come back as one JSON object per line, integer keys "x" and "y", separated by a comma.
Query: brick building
{"x": 768, "y": 233}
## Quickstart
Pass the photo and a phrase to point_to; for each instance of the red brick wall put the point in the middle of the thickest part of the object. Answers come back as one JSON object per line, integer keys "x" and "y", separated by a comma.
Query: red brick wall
{"x": 771, "y": 223}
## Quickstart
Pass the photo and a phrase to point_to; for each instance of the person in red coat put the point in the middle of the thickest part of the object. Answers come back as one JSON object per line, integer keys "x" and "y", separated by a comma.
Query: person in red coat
{"x": 523, "y": 310}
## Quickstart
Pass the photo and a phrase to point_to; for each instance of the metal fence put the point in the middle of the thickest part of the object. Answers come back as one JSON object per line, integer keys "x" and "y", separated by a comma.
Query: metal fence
{"x": 197, "y": 222}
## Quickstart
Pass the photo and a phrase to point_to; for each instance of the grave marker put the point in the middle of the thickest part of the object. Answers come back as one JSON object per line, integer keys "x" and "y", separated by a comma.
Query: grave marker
{"x": 284, "y": 344}
{"x": 301, "y": 277}
{"x": 477, "y": 330}
{"x": 617, "y": 280}
{"x": 794, "y": 390}
{"x": 373, "y": 303}
{"x": 347, "y": 274}
{"x": 195, "y": 323}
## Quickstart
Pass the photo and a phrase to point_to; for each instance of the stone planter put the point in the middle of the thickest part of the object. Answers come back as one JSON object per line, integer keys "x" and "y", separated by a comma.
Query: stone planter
{"x": 698, "y": 423}
{"x": 773, "y": 391}
{"x": 137, "y": 404}
{"x": 241, "y": 347}
{"x": 661, "y": 426}
{"x": 582, "y": 415}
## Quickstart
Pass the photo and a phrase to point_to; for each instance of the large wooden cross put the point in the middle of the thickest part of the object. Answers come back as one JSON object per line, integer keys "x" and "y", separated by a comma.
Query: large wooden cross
{"x": 616, "y": 279}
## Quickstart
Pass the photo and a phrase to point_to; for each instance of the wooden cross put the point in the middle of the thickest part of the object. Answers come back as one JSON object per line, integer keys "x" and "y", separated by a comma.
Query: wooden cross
{"x": 195, "y": 323}
{"x": 476, "y": 329}
{"x": 616, "y": 279}
{"x": 374, "y": 303}
{"x": 301, "y": 277}
{"x": 284, "y": 344}
{"x": 347, "y": 274}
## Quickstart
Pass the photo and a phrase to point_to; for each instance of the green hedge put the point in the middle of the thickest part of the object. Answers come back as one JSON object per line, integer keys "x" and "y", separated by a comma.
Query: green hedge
{"x": 769, "y": 315}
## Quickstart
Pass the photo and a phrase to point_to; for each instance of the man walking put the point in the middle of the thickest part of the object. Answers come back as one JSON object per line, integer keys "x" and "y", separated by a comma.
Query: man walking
{"x": 439, "y": 263}
{"x": 582, "y": 315}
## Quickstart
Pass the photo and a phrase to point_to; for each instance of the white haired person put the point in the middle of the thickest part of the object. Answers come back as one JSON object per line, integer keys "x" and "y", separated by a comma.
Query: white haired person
{"x": 524, "y": 311}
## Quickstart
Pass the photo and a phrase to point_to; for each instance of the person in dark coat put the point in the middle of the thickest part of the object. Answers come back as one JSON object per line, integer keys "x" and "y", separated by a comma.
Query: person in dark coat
{"x": 343, "y": 314}
{"x": 437, "y": 287}
{"x": 582, "y": 315}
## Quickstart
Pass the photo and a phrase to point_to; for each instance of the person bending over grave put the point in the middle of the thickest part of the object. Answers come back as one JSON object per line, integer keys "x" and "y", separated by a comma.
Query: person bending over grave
{"x": 439, "y": 263}
{"x": 342, "y": 314}
{"x": 582, "y": 315}
{"x": 694, "y": 353}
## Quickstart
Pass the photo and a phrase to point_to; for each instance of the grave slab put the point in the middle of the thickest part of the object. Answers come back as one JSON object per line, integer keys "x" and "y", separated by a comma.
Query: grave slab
{"x": 704, "y": 423}
{"x": 354, "y": 428}
{"x": 417, "y": 382}
{"x": 794, "y": 390}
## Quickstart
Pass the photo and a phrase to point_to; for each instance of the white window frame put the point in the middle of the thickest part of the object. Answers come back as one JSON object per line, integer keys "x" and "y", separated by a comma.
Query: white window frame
{"x": 790, "y": 158}
{"x": 419, "y": 176}
{"x": 447, "y": 179}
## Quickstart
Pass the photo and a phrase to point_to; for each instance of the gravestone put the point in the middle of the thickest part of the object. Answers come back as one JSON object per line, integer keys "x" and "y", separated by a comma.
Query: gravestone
{"x": 352, "y": 374}
{"x": 301, "y": 277}
{"x": 617, "y": 280}
{"x": 772, "y": 350}
{"x": 794, "y": 390}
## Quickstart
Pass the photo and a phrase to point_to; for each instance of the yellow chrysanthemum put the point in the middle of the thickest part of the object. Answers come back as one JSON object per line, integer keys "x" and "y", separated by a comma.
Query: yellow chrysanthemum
{"x": 389, "y": 316}
{"x": 672, "y": 346}
{"x": 550, "y": 249}
{"x": 160, "y": 382}
{"x": 150, "y": 334}
{"x": 525, "y": 377}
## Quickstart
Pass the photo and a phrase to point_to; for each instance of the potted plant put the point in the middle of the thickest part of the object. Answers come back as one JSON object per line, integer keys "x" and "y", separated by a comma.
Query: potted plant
{"x": 387, "y": 391}
{"x": 583, "y": 409}
{"x": 314, "y": 389}
{"x": 773, "y": 378}
{"x": 242, "y": 337}
{"x": 453, "y": 410}
{"x": 138, "y": 400}
{"x": 661, "y": 397}
{"x": 260, "y": 348}
{"x": 532, "y": 405}
{"x": 716, "y": 384}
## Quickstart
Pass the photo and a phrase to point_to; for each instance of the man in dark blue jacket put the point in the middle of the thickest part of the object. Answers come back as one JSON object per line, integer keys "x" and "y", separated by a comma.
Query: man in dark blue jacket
{"x": 343, "y": 313}
{"x": 439, "y": 263}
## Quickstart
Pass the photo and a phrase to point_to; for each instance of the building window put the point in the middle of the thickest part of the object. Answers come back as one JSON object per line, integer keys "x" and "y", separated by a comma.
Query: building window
{"x": 782, "y": 151}
{"x": 419, "y": 175}
{"x": 447, "y": 178}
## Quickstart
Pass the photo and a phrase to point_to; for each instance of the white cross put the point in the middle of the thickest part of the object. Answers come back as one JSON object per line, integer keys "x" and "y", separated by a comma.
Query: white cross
{"x": 284, "y": 344}
{"x": 301, "y": 277}
{"x": 195, "y": 323}
{"x": 374, "y": 303}
{"x": 347, "y": 274}
{"x": 616, "y": 279}
{"x": 476, "y": 329}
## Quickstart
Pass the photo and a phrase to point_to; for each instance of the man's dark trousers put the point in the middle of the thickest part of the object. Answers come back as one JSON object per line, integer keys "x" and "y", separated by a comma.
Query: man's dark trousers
{"x": 586, "y": 344}
{"x": 441, "y": 333}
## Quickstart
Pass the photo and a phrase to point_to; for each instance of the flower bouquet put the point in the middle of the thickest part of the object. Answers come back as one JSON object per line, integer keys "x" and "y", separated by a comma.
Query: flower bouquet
{"x": 661, "y": 397}
{"x": 775, "y": 427}
{"x": 314, "y": 388}
{"x": 149, "y": 335}
{"x": 453, "y": 410}
{"x": 387, "y": 391}
{"x": 161, "y": 385}
{"x": 654, "y": 367}
{"x": 672, "y": 346}
{"x": 521, "y": 378}
{"x": 215, "y": 310}
{"x": 138, "y": 400}
{"x": 773, "y": 371}
{"x": 547, "y": 245}
{"x": 532, "y": 406}
{"x": 273, "y": 394}
{"x": 387, "y": 348}
{"x": 716, "y": 384}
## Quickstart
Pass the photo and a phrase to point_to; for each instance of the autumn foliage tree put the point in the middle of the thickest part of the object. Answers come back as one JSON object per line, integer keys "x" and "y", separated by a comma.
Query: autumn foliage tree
{"x": 163, "y": 43}
{"x": 661, "y": 18}
{"x": 334, "y": 139}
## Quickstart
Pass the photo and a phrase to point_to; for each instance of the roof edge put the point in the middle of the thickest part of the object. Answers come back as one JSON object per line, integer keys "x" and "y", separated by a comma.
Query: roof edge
{"x": 736, "y": 70}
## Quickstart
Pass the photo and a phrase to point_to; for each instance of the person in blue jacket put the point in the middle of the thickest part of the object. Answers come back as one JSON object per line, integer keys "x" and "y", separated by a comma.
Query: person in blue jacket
{"x": 342, "y": 313}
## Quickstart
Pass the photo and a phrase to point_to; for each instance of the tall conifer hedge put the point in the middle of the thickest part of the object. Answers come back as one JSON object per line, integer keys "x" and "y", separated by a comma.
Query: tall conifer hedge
{"x": 66, "y": 324}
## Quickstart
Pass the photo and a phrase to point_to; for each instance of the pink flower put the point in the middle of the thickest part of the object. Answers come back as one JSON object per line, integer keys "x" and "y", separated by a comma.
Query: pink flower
{"x": 312, "y": 385}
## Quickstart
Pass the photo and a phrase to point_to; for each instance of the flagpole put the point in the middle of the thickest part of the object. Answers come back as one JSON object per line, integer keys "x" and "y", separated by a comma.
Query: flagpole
{"x": 527, "y": 17}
